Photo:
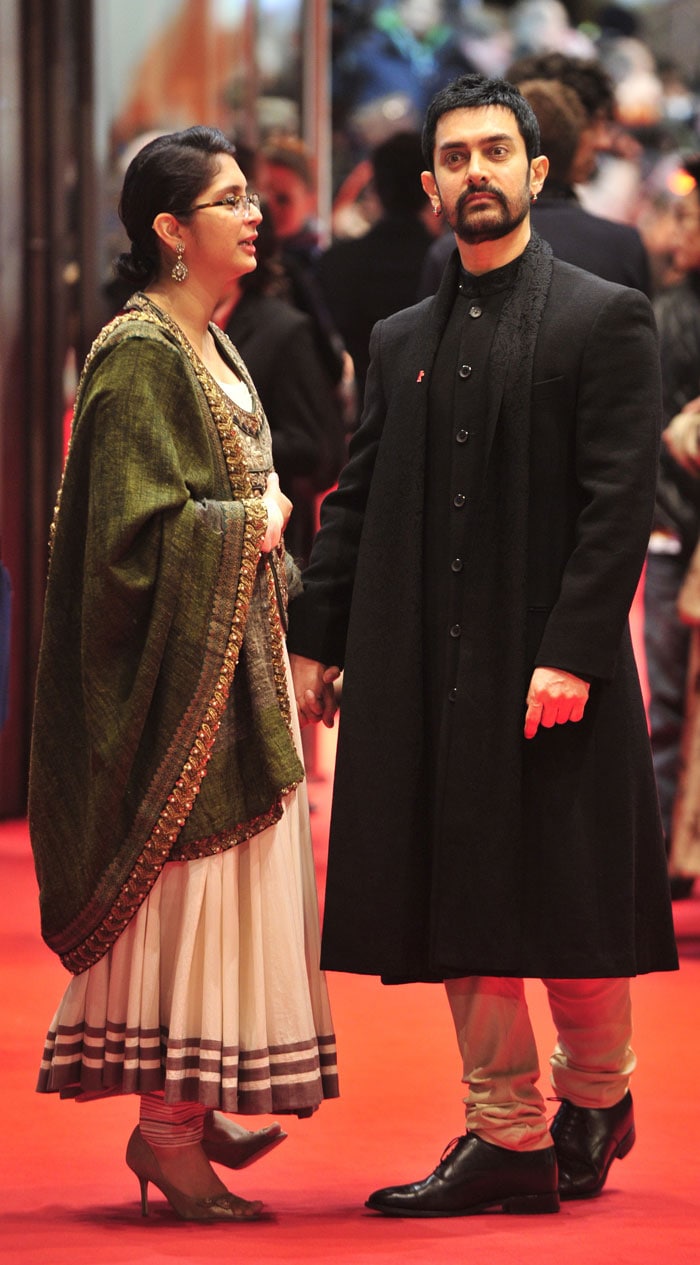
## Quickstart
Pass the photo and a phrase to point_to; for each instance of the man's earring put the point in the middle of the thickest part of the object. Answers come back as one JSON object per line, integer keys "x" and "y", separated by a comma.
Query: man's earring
{"x": 437, "y": 208}
{"x": 180, "y": 271}
{"x": 533, "y": 197}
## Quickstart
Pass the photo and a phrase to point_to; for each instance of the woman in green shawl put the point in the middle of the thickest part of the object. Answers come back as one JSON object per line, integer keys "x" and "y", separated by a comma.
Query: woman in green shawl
{"x": 184, "y": 904}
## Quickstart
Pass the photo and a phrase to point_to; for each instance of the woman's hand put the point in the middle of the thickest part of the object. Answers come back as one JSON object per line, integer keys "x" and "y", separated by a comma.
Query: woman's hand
{"x": 278, "y": 507}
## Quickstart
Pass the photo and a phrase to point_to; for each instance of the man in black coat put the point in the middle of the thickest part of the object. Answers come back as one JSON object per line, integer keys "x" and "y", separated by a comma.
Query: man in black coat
{"x": 609, "y": 249}
{"x": 495, "y": 813}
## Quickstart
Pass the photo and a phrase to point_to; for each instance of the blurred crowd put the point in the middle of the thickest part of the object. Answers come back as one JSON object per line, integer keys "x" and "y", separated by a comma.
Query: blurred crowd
{"x": 389, "y": 58}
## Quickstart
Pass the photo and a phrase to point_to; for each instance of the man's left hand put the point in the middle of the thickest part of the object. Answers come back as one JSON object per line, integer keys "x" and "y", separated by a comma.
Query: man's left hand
{"x": 553, "y": 698}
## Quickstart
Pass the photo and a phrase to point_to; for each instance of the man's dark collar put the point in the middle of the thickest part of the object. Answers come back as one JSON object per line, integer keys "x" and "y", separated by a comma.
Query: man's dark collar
{"x": 489, "y": 282}
{"x": 557, "y": 191}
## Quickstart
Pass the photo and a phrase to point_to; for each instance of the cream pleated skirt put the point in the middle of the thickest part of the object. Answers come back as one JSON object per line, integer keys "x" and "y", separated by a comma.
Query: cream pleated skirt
{"x": 213, "y": 993}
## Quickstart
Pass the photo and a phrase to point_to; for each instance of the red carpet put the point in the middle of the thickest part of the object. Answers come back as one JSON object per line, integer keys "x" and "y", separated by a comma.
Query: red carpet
{"x": 66, "y": 1197}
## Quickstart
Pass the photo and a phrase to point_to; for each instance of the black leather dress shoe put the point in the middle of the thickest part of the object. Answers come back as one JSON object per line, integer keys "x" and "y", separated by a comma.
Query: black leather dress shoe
{"x": 472, "y": 1176}
{"x": 587, "y": 1140}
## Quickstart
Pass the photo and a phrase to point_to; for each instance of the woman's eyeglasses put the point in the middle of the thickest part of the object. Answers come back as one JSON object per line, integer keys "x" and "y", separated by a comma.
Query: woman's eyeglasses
{"x": 240, "y": 203}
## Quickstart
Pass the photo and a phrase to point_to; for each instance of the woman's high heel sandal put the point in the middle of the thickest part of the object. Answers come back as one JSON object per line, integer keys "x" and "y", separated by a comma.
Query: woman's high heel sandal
{"x": 224, "y": 1207}
{"x": 229, "y": 1144}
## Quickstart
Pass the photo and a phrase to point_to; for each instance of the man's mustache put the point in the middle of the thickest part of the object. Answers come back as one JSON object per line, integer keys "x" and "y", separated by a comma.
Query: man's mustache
{"x": 480, "y": 189}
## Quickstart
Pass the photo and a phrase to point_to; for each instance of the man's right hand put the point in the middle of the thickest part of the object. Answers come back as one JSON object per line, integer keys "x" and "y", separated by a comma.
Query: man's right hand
{"x": 313, "y": 690}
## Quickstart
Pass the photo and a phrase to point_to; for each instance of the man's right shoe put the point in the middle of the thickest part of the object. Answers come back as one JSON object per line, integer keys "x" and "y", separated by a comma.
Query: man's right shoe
{"x": 474, "y": 1175}
{"x": 587, "y": 1140}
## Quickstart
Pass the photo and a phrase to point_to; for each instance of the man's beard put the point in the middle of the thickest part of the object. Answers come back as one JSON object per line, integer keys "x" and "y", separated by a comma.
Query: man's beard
{"x": 485, "y": 226}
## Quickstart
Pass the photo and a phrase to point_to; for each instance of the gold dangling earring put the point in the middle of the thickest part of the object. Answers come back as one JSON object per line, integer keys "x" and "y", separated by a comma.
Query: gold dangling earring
{"x": 180, "y": 271}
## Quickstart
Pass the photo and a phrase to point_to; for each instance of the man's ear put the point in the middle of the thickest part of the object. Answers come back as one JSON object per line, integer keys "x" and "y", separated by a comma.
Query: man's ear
{"x": 430, "y": 188}
{"x": 538, "y": 174}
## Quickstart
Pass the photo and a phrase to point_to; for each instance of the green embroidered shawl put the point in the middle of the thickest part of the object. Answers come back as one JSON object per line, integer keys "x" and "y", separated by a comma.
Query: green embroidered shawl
{"x": 162, "y": 647}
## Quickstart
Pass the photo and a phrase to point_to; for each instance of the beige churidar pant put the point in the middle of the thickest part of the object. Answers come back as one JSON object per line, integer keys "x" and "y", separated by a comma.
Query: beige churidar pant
{"x": 591, "y": 1064}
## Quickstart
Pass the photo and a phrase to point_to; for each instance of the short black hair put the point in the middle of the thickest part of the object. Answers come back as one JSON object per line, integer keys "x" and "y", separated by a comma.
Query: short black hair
{"x": 471, "y": 92}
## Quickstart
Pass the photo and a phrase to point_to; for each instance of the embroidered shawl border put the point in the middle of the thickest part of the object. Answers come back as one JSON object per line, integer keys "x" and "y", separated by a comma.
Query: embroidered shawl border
{"x": 179, "y": 802}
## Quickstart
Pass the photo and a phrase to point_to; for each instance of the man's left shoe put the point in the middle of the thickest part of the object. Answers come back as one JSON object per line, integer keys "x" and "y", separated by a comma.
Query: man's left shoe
{"x": 587, "y": 1140}
{"x": 474, "y": 1175}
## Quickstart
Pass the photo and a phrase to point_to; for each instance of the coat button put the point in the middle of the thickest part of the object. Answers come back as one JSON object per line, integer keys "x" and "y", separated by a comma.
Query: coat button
{"x": 475, "y": 311}
{"x": 465, "y": 371}
{"x": 462, "y": 436}
{"x": 456, "y": 564}
{"x": 459, "y": 500}
{"x": 456, "y": 630}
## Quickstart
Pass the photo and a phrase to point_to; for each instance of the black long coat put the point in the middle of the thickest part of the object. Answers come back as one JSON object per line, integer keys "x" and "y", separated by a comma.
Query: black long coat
{"x": 563, "y": 872}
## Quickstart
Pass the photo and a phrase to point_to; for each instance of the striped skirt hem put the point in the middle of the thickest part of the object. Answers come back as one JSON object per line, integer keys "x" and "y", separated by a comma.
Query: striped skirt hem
{"x": 213, "y": 992}
{"x": 81, "y": 1062}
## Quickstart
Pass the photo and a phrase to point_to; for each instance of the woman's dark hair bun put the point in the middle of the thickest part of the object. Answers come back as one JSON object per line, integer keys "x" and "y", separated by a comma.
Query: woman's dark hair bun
{"x": 133, "y": 267}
